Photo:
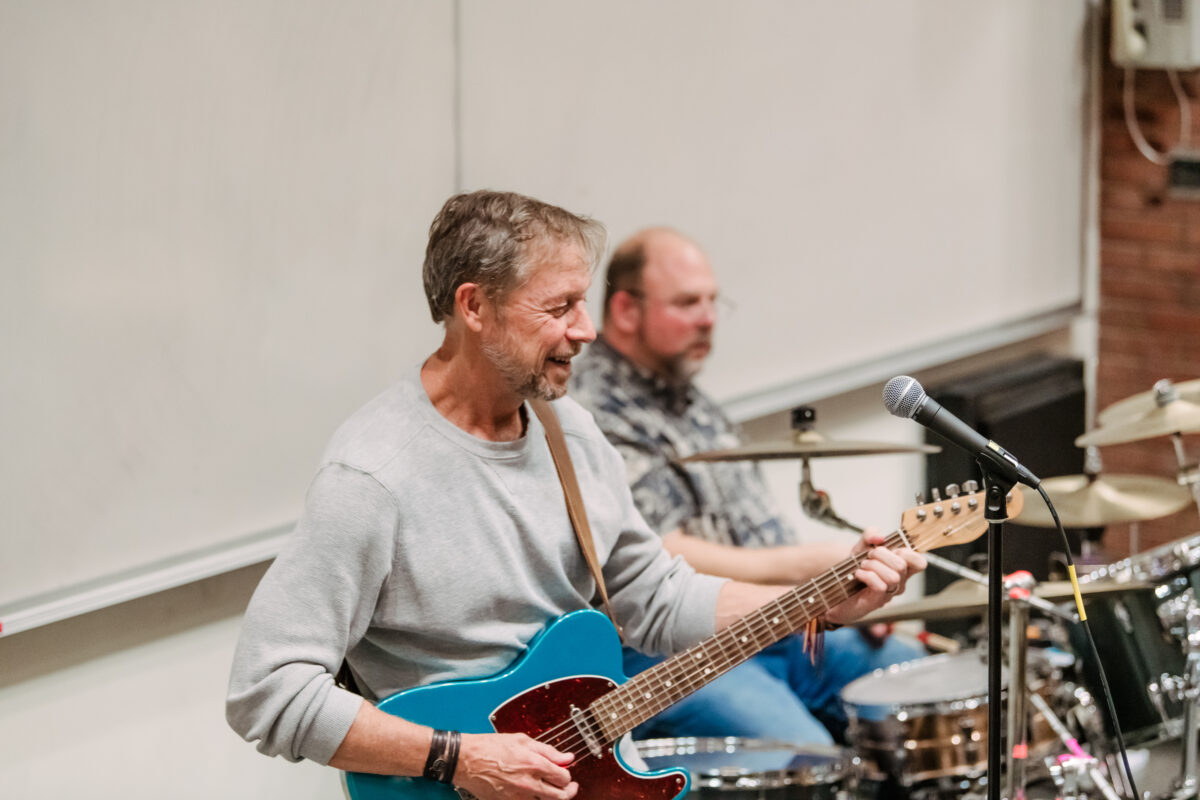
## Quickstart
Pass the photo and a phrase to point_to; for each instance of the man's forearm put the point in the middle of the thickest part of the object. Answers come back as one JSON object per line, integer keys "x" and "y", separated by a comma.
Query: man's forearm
{"x": 785, "y": 564}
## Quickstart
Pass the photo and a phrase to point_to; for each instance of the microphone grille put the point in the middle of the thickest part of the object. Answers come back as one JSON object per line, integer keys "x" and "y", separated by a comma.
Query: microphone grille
{"x": 902, "y": 395}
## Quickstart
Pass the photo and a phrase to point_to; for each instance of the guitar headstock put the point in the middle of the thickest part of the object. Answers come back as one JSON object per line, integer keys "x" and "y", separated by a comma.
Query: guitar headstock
{"x": 956, "y": 519}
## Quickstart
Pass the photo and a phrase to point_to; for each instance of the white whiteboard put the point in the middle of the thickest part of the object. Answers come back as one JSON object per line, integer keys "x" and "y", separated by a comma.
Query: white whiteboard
{"x": 212, "y": 217}
{"x": 868, "y": 178}
{"x": 212, "y": 221}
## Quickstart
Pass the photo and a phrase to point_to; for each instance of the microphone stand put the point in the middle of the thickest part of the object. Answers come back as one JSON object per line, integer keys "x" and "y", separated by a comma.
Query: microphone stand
{"x": 996, "y": 489}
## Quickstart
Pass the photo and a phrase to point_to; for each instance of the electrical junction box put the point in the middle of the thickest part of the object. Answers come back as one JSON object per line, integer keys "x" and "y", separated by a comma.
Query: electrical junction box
{"x": 1183, "y": 174}
{"x": 1156, "y": 34}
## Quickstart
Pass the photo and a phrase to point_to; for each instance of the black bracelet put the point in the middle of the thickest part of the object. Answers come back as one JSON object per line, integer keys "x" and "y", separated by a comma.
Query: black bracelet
{"x": 442, "y": 760}
{"x": 452, "y": 757}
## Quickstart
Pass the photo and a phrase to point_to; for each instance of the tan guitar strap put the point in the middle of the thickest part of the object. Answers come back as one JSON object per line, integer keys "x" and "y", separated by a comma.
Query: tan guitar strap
{"x": 575, "y": 509}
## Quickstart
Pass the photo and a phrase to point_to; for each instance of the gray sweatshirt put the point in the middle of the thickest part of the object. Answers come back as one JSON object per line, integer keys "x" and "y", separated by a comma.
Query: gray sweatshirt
{"x": 426, "y": 554}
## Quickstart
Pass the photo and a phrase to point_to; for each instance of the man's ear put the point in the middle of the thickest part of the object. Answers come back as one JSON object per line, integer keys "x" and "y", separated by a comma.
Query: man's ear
{"x": 469, "y": 302}
{"x": 624, "y": 312}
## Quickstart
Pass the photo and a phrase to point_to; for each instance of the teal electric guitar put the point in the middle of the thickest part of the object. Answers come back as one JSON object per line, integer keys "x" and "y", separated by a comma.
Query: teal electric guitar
{"x": 569, "y": 689}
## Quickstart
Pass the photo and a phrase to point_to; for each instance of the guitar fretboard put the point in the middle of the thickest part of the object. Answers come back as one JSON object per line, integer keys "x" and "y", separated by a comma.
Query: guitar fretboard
{"x": 664, "y": 684}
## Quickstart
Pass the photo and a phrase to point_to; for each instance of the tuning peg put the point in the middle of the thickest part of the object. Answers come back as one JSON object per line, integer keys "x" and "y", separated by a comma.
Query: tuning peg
{"x": 970, "y": 487}
{"x": 951, "y": 490}
{"x": 937, "y": 496}
{"x": 920, "y": 498}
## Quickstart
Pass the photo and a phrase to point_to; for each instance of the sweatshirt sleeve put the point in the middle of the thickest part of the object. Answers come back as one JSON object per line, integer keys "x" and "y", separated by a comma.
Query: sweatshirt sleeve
{"x": 664, "y": 605}
{"x": 312, "y": 605}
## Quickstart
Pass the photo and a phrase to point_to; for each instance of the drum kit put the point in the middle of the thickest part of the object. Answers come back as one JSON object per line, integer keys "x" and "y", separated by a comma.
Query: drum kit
{"x": 918, "y": 730}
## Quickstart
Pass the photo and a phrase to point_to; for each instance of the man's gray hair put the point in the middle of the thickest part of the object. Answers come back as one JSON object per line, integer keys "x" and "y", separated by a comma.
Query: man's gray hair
{"x": 489, "y": 238}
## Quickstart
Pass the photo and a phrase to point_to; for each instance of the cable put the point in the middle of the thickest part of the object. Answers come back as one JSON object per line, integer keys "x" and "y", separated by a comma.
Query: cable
{"x": 1135, "y": 132}
{"x": 1087, "y": 629}
{"x": 1185, "y": 109}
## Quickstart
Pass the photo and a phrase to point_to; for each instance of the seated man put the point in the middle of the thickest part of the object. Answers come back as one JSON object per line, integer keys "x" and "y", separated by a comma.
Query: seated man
{"x": 435, "y": 544}
{"x": 660, "y": 307}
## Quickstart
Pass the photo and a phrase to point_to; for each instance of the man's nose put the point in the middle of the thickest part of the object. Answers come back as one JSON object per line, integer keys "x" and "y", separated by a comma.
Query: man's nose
{"x": 581, "y": 328}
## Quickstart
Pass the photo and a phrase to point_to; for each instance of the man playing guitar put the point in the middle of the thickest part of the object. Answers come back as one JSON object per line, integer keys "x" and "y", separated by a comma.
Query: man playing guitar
{"x": 434, "y": 543}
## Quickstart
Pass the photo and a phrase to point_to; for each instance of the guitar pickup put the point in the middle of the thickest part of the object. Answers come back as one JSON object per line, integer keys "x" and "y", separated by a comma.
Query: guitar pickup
{"x": 587, "y": 731}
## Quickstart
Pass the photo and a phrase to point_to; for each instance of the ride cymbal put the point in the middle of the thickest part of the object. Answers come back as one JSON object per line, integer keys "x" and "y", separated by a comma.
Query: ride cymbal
{"x": 808, "y": 444}
{"x": 1164, "y": 411}
{"x": 1177, "y": 416}
{"x": 1093, "y": 501}
{"x": 1138, "y": 404}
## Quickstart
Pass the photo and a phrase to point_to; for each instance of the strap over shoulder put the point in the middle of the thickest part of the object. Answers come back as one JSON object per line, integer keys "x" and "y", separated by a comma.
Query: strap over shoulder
{"x": 570, "y": 485}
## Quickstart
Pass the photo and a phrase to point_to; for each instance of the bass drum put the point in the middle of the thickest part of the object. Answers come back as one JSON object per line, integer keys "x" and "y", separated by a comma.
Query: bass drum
{"x": 755, "y": 769}
{"x": 1139, "y": 636}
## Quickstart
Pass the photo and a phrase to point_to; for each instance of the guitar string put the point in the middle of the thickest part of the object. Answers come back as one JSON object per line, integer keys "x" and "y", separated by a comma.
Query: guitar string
{"x": 786, "y": 604}
{"x": 756, "y": 624}
{"x": 714, "y": 656}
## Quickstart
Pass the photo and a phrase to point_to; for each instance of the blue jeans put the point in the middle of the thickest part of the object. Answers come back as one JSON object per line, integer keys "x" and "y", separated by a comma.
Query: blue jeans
{"x": 777, "y": 694}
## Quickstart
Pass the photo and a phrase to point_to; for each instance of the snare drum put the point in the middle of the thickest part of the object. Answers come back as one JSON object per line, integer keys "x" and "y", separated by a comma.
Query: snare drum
{"x": 755, "y": 769}
{"x": 921, "y": 719}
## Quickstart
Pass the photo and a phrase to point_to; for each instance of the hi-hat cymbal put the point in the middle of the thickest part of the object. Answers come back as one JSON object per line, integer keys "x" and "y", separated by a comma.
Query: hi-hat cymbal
{"x": 1176, "y": 416}
{"x": 965, "y": 598}
{"x": 1139, "y": 404}
{"x": 1087, "y": 501}
{"x": 809, "y": 444}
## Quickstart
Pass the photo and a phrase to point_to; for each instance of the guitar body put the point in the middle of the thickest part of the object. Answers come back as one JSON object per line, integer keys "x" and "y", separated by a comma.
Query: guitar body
{"x": 569, "y": 664}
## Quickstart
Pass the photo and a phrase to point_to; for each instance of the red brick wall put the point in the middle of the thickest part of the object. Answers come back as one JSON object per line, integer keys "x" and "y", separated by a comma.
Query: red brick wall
{"x": 1149, "y": 280}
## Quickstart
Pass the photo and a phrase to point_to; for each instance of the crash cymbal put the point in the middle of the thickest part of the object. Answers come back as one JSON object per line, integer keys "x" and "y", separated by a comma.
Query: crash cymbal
{"x": 1138, "y": 404}
{"x": 1175, "y": 416}
{"x": 965, "y": 598}
{"x": 809, "y": 444}
{"x": 1093, "y": 501}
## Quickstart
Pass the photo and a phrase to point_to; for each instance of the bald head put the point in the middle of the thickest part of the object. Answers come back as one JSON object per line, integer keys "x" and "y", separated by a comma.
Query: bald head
{"x": 629, "y": 260}
{"x": 659, "y": 301}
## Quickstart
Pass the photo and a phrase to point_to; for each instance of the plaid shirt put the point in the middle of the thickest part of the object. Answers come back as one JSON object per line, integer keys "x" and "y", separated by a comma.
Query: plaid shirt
{"x": 653, "y": 423}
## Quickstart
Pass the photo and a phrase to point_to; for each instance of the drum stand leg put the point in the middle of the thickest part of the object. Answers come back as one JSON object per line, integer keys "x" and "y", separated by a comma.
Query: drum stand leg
{"x": 1069, "y": 771}
{"x": 1018, "y": 747}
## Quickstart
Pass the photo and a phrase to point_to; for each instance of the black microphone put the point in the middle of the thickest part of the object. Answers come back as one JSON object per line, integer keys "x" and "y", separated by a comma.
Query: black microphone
{"x": 904, "y": 397}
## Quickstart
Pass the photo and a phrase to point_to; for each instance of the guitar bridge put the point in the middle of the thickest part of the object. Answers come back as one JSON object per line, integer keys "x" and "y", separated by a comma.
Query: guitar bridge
{"x": 586, "y": 731}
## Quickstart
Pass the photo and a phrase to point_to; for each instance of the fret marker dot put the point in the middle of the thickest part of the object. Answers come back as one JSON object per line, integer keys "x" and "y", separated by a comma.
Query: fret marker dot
{"x": 707, "y": 670}
{"x": 775, "y": 620}
{"x": 629, "y": 705}
{"x": 743, "y": 638}
{"x": 613, "y": 715}
{"x": 668, "y": 683}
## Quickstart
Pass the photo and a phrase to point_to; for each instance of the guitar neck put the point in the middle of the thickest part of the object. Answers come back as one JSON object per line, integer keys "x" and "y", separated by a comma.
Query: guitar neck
{"x": 640, "y": 698}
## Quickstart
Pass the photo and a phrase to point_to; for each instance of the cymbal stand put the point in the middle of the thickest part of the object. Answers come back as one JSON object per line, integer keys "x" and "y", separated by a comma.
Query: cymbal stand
{"x": 1018, "y": 715}
{"x": 1189, "y": 472}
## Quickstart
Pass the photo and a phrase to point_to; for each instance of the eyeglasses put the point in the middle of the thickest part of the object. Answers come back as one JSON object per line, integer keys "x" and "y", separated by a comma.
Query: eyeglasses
{"x": 693, "y": 306}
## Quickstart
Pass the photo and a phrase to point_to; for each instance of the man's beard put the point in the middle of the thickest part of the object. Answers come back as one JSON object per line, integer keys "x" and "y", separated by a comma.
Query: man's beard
{"x": 681, "y": 368}
{"x": 525, "y": 383}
